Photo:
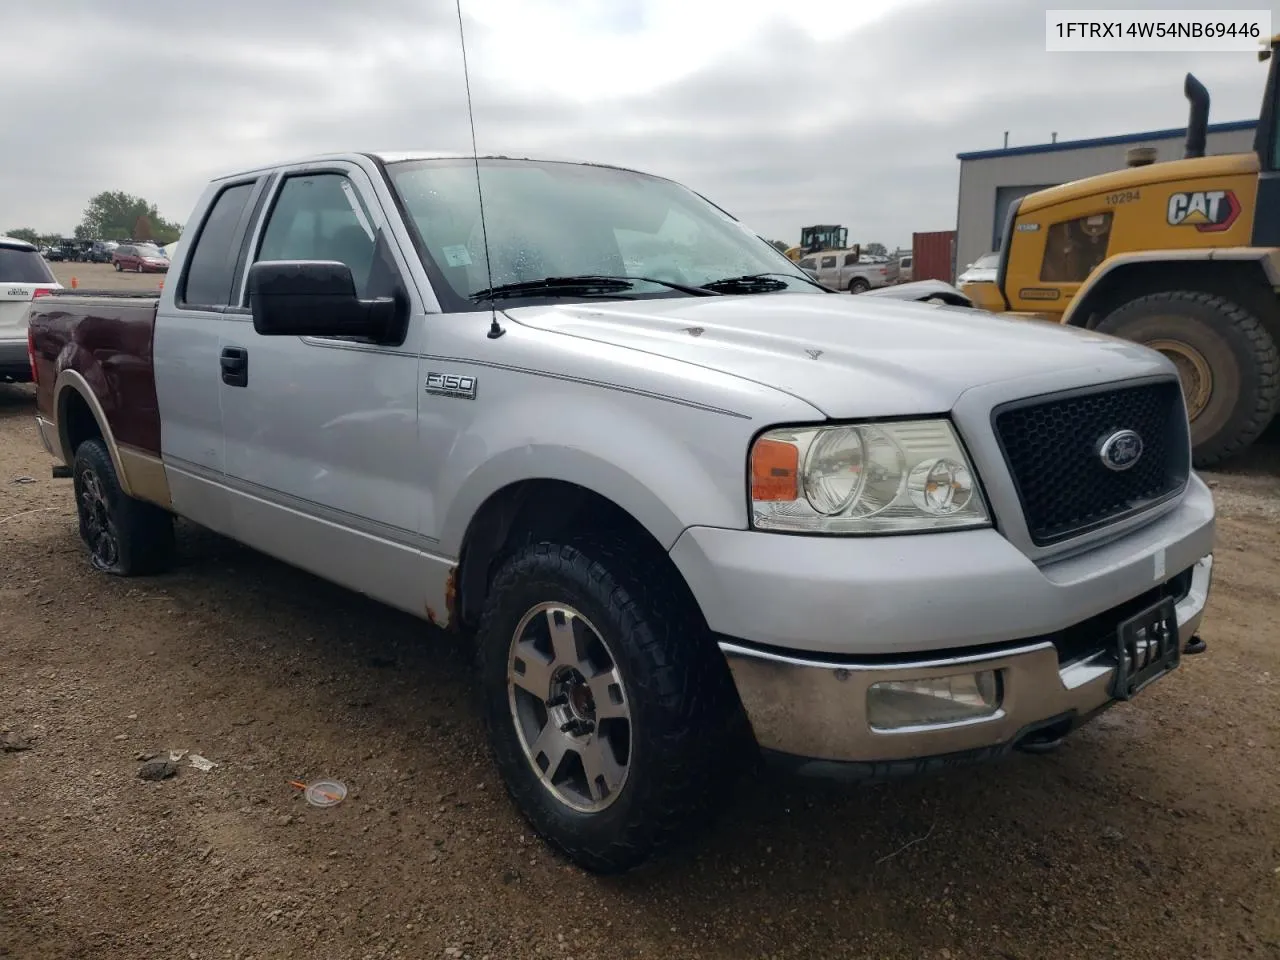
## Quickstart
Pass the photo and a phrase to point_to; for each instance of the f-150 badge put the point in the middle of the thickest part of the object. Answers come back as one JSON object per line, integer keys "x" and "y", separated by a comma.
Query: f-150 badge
{"x": 451, "y": 385}
{"x": 1209, "y": 211}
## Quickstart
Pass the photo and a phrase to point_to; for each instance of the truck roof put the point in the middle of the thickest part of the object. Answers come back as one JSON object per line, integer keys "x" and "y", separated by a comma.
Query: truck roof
{"x": 397, "y": 156}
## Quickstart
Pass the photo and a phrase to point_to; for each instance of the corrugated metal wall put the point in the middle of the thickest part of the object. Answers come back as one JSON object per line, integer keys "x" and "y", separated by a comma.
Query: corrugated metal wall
{"x": 933, "y": 256}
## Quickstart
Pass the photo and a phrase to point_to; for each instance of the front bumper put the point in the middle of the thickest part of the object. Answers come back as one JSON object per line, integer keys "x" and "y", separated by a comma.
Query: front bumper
{"x": 808, "y": 624}
{"x": 815, "y": 710}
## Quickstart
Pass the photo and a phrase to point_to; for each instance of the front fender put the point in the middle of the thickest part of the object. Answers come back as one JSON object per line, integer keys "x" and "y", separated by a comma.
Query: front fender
{"x": 668, "y": 466}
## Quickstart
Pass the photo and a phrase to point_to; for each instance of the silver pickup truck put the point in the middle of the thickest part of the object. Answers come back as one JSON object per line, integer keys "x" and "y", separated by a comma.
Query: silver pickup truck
{"x": 692, "y": 507}
{"x": 849, "y": 270}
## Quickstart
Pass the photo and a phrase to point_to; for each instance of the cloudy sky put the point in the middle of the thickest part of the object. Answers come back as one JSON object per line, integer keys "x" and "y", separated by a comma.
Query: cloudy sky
{"x": 784, "y": 113}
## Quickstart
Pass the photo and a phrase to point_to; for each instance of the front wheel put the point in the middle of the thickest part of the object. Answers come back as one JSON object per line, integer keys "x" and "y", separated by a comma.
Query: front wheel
{"x": 124, "y": 536}
{"x": 610, "y": 711}
{"x": 1226, "y": 360}
{"x": 119, "y": 269}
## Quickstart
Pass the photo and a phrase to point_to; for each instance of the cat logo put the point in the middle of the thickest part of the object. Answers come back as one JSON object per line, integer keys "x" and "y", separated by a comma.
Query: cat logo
{"x": 1209, "y": 211}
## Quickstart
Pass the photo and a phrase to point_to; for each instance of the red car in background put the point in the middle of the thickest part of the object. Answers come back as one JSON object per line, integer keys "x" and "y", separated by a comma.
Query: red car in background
{"x": 140, "y": 258}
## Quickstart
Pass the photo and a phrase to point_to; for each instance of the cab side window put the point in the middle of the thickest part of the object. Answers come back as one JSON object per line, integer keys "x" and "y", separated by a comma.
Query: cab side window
{"x": 320, "y": 216}
{"x": 809, "y": 263}
{"x": 828, "y": 263}
{"x": 850, "y": 259}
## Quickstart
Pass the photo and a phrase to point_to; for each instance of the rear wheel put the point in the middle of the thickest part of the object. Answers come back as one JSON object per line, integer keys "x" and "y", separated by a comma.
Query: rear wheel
{"x": 124, "y": 536}
{"x": 1227, "y": 362}
{"x": 859, "y": 285}
{"x": 610, "y": 710}
{"x": 119, "y": 269}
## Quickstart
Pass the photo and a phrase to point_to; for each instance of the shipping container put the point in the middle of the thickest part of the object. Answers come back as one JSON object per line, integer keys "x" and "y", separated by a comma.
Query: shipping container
{"x": 933, "y": 256}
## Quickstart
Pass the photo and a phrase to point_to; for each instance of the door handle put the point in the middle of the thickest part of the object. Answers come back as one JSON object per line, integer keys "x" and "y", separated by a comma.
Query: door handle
{"x": 235, "y": 366}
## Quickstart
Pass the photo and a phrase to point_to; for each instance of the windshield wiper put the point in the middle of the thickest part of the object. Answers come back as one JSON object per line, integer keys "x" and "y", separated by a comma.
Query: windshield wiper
{"x": 585, "y": 285}
{"x": 753, "y": 283}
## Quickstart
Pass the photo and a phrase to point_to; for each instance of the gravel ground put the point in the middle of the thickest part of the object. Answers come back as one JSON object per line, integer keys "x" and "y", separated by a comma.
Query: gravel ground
{"x": 1154, "y": 833}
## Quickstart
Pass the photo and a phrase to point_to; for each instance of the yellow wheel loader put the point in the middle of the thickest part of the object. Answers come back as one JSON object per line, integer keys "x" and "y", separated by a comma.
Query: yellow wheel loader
{"x": 819, "y": 238}
{"x": 1183, "y": 256}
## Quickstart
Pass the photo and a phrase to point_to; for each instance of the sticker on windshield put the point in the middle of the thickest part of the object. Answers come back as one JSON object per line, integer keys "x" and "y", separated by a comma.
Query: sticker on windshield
{"x": 457, "y": 255}
{"x": 357, "y": 209}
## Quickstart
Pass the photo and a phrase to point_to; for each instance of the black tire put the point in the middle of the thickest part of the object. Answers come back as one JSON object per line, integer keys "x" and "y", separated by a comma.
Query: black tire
{"x": 124, "y": 536}
{"x": 119, "y": 269}
{"x": 859, "y": 285}
{"x": 1239, "y": 353}
{"x": 687, "y": 733}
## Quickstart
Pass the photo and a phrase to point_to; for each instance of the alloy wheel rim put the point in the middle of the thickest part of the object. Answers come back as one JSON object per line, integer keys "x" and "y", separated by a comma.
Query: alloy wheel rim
{"x": 570, "y": 707}
{"x": 99, "y": 528}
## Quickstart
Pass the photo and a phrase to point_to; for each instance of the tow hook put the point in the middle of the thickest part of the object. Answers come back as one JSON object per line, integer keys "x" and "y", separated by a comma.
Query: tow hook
{"x": 1195, "y": 645}
{"x": 1047, "y": 738}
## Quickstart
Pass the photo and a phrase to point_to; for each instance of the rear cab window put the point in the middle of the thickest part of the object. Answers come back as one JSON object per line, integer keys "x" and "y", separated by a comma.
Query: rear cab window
{"x": 23, "y": 264}
{"x": 209, "y": 278}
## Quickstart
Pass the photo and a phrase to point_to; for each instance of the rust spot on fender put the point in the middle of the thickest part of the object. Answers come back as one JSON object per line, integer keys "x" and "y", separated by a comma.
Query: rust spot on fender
{"x": 450, "y": 602}
{"x": 451, "y": 596}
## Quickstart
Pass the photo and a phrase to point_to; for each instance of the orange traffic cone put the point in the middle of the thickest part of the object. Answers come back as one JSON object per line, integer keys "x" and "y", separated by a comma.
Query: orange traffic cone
{"x": 74, "y": 283}
{"x": 161, "y": 287}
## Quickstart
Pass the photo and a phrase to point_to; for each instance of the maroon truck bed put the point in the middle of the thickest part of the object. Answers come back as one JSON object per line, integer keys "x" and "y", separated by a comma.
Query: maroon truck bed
{"x": 105, "y": 336}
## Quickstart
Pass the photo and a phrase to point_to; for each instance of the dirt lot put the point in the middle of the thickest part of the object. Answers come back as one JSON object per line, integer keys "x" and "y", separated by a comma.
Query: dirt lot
{"x": 1153, "y": 834}
{"x": 103, "y": 276}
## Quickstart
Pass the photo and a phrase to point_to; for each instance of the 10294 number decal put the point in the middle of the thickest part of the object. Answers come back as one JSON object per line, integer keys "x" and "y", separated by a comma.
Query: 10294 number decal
{"x": 1124, "y": 196}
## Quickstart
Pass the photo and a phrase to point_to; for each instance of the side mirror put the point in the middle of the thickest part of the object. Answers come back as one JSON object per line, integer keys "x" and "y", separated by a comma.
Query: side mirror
{"x": 314, "y": 298}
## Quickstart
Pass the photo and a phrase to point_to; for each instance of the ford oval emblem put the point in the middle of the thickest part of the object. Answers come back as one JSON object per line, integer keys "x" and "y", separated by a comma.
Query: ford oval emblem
{"x": 1121, "y": 450}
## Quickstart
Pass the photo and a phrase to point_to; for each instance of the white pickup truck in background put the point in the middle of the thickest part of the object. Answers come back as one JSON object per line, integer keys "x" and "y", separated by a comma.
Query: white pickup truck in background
{"x": 849, "y": 270}
{"x": 690, "y": 506}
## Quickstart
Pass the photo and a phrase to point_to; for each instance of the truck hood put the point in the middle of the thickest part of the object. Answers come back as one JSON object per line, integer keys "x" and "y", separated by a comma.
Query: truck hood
{"x": 848, "y": 356}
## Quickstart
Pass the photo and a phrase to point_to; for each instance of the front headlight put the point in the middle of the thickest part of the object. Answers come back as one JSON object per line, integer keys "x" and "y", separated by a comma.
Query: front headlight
{"x": 909, "y": 475}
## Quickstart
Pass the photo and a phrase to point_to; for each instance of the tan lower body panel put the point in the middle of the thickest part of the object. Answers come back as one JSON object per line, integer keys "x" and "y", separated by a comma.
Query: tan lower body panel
{"x": 144, "y": 476}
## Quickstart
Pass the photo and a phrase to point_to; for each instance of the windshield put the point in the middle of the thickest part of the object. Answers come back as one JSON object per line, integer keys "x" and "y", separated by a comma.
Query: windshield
{"x": 548, "y": 219}
{"x": 150, "y": 252}
{"x": 988, "y": 261}
{"x": 23, "y": 266}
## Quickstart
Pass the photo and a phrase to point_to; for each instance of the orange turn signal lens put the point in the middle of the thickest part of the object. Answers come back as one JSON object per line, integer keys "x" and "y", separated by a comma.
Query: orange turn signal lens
{"x": 775, "y": 467}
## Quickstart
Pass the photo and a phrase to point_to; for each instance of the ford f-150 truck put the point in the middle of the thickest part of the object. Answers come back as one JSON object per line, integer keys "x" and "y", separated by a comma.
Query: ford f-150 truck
{"x": 692, "y": 507}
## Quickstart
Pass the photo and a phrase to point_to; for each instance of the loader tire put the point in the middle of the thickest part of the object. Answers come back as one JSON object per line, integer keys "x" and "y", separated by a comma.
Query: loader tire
{"x": 1226, "y": 360}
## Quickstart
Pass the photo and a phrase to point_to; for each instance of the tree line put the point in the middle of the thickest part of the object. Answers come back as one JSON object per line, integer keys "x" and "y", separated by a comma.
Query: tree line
{"x": 111, "y": 215}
